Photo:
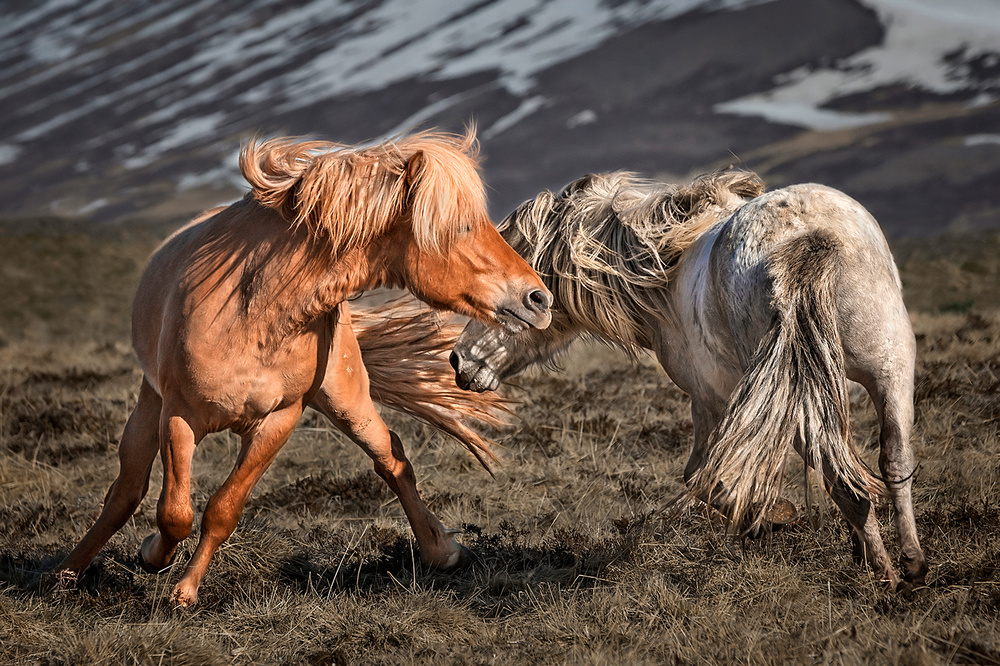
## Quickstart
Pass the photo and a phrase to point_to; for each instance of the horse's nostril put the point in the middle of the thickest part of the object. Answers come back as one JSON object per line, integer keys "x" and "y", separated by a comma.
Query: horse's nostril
{"x": 538, "y": 300}
{"x": 454, "y": 360}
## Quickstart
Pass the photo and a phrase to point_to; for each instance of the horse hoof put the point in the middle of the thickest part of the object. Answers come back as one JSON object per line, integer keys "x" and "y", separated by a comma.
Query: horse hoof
{"x": 183, "y": 601}
{"x": 915, "y": 572}
{"x": 782, "y": 513}
{"x": 458, "y": 561}
{"x": 49, "y": 581}
{"x": 146, "y": 566}
{"x": 908, "y": 589}
{"x": 465, "y": 559}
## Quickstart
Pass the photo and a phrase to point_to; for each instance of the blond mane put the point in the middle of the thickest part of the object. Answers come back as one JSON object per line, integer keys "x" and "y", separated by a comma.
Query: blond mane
{"x": 608, "y": 244}
{"x": 349, "y": 195}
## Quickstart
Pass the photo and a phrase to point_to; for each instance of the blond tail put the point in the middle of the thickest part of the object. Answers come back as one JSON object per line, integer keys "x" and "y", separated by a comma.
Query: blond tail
{"x": 405, "y": 349}
{"x": 795, "y": 387}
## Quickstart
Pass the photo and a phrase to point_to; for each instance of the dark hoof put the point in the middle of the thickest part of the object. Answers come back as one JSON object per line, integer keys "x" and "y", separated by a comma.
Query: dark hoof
{"x": 915, "y": 572}
{"x": 909, "y": 588}
{"x": 145, "y": 566}
{"x": 466, "y": 558}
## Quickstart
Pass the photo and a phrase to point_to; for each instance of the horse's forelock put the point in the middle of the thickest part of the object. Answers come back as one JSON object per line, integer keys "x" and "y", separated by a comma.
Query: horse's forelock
{"x": 447, "y": 192}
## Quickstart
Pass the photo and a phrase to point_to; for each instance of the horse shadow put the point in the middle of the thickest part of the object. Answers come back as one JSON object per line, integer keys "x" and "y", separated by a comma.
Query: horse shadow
{"x": 504, "y": 569}
{"x": 507, "y": 566}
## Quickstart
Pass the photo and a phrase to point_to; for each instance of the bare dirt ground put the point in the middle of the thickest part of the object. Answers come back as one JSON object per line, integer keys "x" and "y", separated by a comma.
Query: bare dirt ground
{"x": 577, "y": 560}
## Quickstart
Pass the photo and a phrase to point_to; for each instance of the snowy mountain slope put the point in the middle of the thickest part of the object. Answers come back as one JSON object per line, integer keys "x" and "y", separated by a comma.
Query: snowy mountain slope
{"x": 113, "y": 110}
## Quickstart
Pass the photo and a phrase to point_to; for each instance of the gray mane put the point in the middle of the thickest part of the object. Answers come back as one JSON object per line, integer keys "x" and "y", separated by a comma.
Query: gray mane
{"x": 608, "y": 244}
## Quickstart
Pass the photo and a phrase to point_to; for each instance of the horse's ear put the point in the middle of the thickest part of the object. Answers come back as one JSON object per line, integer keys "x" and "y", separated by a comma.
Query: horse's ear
{"x": 414, "y": 166}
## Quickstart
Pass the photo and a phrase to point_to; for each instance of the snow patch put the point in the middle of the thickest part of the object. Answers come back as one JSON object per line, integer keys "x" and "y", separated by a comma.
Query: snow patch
{"x": 982, "y": 140}
{"x": 184, "y": 133}
{"x": 926, "y": 44}
{"x": 800, "y": 114}
{"x": 585, "y": 117}
{"x": 504, "y": 123}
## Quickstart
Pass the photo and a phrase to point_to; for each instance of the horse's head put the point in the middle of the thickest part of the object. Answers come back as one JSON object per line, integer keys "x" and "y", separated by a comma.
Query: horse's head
{"x": 484, "y": 356}
{"x": 414, "y": 209}
{"x": 451, "y": 255}
{"x": 481, "y": 277}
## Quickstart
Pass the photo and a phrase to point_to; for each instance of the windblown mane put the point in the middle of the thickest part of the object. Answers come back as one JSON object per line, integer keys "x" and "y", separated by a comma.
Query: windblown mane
{"x": 348, "y": 195}
{"x": 608, "y": 244}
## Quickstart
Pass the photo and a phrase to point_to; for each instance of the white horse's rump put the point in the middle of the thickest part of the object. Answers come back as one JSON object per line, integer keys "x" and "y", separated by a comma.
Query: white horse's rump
{"x": 760, "y": 306}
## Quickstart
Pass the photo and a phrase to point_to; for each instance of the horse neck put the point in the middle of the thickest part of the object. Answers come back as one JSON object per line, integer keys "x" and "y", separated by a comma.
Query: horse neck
{"x": 286, "y": 278}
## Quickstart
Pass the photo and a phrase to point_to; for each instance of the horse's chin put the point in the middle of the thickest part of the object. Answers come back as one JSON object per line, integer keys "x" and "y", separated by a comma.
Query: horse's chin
{"x": 484, "y": 379}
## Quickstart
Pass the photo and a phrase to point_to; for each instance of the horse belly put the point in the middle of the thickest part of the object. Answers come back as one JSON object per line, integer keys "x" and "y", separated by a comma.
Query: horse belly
{"x": 698, "y": 351}
{"x": 227, "y": 385}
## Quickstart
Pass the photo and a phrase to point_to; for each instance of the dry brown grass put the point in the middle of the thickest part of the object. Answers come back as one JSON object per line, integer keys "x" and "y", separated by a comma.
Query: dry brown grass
{"x": 577, "y": 560}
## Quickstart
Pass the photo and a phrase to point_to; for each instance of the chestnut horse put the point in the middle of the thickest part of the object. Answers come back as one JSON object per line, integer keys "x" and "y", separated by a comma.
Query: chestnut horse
{"x": 240, "y": 322}
{"x": 759, "y": 306}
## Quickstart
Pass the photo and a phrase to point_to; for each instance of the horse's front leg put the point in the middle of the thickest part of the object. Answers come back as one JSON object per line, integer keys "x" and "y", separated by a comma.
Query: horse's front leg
{"x": 344, "y": 398}
{"x": 136, "y": 453}
{"x": 174, "y": 514}
{"x": 225, "y": 507}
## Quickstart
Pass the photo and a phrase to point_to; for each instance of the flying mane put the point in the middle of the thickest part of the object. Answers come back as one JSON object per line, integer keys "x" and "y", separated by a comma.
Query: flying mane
{"x": 609, "y": 243}
{"x": 348, "y": 195}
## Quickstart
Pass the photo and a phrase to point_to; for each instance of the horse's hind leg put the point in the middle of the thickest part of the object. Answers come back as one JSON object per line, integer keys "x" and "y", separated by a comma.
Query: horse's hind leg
{"x": 136, "y": 452}
{"x": 860, "y": 516}
{"x": 226, "y": 506}
{"x": 893, "y": 398}
{"x": 704, "y": 419}
{"x": 344, "y": 398}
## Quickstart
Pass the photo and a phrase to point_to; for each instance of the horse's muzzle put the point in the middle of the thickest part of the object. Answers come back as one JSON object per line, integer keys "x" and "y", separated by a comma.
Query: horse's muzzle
{"x": 474, "y": 376}
{"x": 531, "y": 309}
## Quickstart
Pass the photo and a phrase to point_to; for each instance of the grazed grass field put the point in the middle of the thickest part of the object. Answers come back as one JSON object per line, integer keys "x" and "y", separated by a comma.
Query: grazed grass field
{"x": 577, "y": 561}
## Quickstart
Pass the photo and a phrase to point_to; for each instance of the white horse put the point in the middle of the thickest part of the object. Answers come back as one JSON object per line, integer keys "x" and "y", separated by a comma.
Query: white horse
{"x": 760, "y": 306}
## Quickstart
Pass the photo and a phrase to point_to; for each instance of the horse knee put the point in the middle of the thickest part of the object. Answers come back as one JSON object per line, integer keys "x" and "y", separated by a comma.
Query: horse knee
{"x": 175, "y": 521}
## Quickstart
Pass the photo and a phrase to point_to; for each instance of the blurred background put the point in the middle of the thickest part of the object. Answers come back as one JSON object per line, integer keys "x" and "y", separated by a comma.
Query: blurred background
{"x": 125, "y": 112}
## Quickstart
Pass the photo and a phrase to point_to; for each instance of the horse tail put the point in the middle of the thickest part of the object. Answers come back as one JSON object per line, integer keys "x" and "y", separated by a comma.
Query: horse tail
{"x": 795, "y": 388}
{"x": 405, "y": 350}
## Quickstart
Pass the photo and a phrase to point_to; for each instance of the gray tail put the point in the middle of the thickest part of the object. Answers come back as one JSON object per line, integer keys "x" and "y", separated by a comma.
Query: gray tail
{"x": 794, "y": 393}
